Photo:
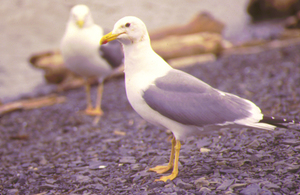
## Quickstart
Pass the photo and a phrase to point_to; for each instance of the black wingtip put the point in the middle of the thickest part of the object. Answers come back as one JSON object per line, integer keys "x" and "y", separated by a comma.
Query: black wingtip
{"x": 278, "y": 121}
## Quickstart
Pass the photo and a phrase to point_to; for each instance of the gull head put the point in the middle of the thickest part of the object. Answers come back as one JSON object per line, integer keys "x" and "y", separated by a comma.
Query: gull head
{"x": 127, "y": 30}
{"x": 80, "y": 15}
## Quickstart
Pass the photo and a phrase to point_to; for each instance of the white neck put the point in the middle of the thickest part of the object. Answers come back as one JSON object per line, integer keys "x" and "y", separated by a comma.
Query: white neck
{"x": 140, "y": 56}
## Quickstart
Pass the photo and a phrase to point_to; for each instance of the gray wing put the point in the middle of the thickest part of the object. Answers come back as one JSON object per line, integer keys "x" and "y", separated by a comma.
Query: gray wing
{"x": 112, "y": 52}
{"x": 187, "y": 100}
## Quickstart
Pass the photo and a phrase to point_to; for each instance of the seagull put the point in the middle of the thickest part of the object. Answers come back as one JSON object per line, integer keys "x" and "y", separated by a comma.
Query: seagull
{"x": 83, "y": 55}
{"x": 177, "y": 100}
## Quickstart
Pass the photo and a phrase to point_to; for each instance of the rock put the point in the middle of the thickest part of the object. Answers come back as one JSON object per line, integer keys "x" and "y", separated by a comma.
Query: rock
{"x": 254, "y": 189}
{"x": 293, "y": 142}
{"x": 204, "y": 190}
{"x": 136, "y": 167}
{"x": 201, "y": 182}
{"x": 254, "y": 144}
{"x": 48, "y": 186}
{"x": 127, "y": 159}
{"x": 293, "y": 168}
{"x": 97, "y": 165}
{"x": 297, "y": 148}
{"x": 228, "y": 171}
{"x": 204, "y": 150}
{"x": 82, "y": 179}
{"x": 182, "y": 184}
{"x": 13, "y": 192}
{"x": 270, "y": 185}
{"x": 225, "y": 184}
{"x": 264, "y": 9}
{"x": 237, "y": 185}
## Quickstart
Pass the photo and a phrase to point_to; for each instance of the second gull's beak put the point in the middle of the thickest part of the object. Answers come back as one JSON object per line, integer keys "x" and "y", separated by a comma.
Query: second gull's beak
{"x": 108, "y": 37}
{"x": 80, "y": 23}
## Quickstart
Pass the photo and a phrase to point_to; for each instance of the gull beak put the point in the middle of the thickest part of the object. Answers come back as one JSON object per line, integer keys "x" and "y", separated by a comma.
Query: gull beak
{"x": 80, "y": 23}
{"x": 108, "y": 37}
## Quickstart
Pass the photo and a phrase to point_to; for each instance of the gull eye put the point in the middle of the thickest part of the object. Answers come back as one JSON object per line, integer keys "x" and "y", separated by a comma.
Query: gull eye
{"x": 127, "y": 24}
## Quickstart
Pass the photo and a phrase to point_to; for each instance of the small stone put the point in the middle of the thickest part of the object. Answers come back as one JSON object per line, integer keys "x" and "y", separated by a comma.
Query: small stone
{"x": 43, "y": 160}
{"x": 204, "y": 190}
{"x": 225, "y": 184}
{"x": 83, "y": 179}
{"x": 182, "y": 184}
{"x": 97, "y": 186}
{"x": 293, "y": 168}
{"x": 293, "y": 142}
{"x": 237, "y": 185}
{"x": 97, "y": 165}
{"x": 50, "y": 181}
{"x": 201, "y": 182}
{"x": 254, "y": 189}
{"x": 269, "y": 169}
{"x": 270, "y": 185}
{"x": 228, "y": 171}
{"x": 136, "y": 167}
{"x": 254, "y": 144}
{"x": 12, "y": 192}
{"x": 204, "y": 150}
{"x": 48, "y": 187}
{"x": 127, "y": 159}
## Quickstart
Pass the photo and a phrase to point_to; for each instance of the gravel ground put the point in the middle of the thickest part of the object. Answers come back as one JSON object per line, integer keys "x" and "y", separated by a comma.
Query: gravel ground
{"x": 59, "y": 151}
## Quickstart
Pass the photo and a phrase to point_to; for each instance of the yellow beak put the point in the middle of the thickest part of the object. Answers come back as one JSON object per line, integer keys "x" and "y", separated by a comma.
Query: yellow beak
{"x": 80, "y": 23}
{"x": 108, "y": 37}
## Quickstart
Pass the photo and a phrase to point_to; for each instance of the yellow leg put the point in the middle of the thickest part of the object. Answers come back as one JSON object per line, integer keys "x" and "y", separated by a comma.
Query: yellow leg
{"x": 97, "y": 111}
{"x": 99, "y": 99}
{"x": 88, "y": 97}
{"x": 175, "y": 168}
{"x": 162, "y": 169}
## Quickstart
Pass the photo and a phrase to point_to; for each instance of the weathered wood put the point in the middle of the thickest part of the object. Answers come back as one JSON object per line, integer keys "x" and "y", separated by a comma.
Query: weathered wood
{"x": 31, "y": 103}
{"x": 202, "y": 22}
{"x": 187, "y": 45}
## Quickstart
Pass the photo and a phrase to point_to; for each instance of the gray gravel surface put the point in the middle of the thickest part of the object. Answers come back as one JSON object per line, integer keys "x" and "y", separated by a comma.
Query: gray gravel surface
{"x": 64, "y": 153}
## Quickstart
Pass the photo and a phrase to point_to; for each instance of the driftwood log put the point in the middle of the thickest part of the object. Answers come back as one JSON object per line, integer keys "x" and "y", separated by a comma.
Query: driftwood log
{"x": 31, "y": 103}
{"x": 202, "y": 22}
{"x": 188, "y": 45}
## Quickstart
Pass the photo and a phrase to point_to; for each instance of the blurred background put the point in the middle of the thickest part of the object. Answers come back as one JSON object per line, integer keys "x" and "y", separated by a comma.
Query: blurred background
{"x": 31, "y": 26}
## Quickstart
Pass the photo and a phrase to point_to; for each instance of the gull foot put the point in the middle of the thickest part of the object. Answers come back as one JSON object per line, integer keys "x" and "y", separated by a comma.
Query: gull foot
{"x": 168, "y": 177}
{"x": 161, "y": 169}
{"x": 93, "y": 112}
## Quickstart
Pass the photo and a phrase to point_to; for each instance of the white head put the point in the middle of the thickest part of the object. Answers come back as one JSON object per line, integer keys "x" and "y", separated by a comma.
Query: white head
{"x": 128, "y": 30}
{"x": 81, "y": 16}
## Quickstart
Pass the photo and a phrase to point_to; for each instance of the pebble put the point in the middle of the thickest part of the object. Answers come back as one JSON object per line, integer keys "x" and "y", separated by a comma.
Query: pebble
{"x": 225, "y": 184}
{"x": 254, "y": 189}
{"x": 204, "y": 190}
{"x": 201, "y": 182}
{"x": 82, "y": 179}
{"x": 98, "y": 165}
{"x": 127, "y": 159}
{"x": 293, "y": 142}
{"x": 12, "y": 192}
{"x": 182, "y": 184}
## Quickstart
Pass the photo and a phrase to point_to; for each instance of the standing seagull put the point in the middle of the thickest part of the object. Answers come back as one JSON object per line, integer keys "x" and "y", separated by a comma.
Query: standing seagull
{"x": 83, "y": 55}
{"x": 174, "y": 99}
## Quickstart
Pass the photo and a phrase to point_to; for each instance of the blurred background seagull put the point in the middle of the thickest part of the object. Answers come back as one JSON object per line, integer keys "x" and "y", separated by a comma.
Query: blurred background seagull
{"x": 83, "y": 55}
{"x": 176, "y": 100}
